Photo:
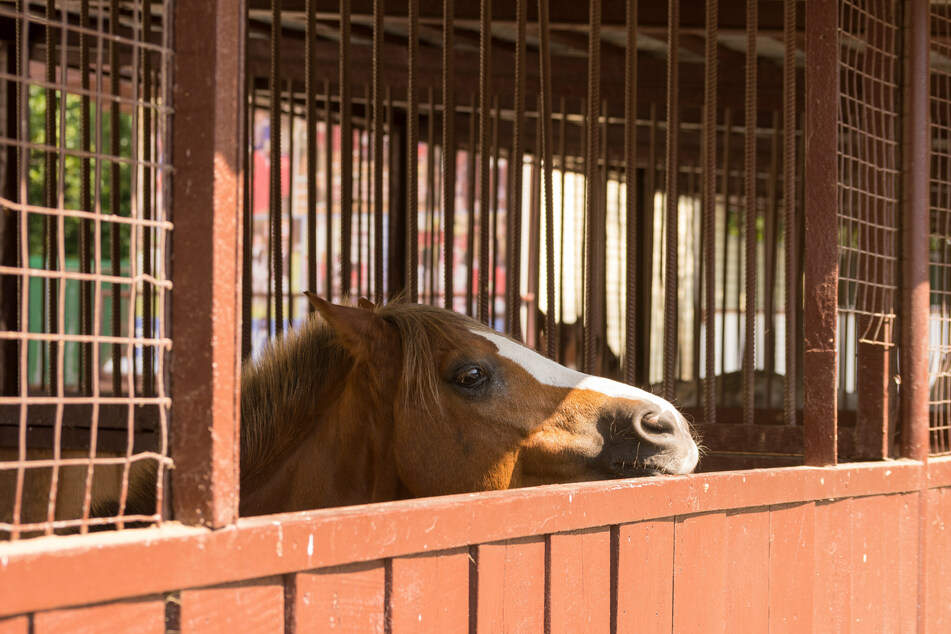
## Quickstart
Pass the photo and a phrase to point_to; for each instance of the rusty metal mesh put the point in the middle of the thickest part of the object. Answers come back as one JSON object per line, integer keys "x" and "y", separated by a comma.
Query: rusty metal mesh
{"x": 939, "y": 350}
{"x": 868, "y": 187}
{"x": 84, "y": 182}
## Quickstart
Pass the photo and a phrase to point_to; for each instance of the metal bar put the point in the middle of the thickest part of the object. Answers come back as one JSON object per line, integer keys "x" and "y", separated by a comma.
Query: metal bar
{"x": 750, "y": 235}
{"x": 329, "y": 190}
{"x": 725, "y": 186}
{"x": 630, "y": 184}
{"x": 709, "y": 212}
{"x": 485, "y": 70}
{"x": 412, "y": 155}
{"x": 206, "y": 151}
{"x": 562, "y": 148}
{"x": 85, "y": 203}
{"x": 551, "y": 327}
{"x": 470, "y": 204}
{"x": 310, "y": 97}
{"x": 50, "y": 223}
{"x": 448, "y": 150}
{"x": 494, "y": 203}
{"x": 790, "y": 225}
{"x": 916, "y": 157}
{"x": 821, "y": 247}
{"x": 594, "y": 232}
{"x": 346, "y": 153}
{"x": 429, "y": 262}
{"x": 378, "y": 162}
{"x": 672, "y": 196}
{"x": 514, "y": 278}
{"x": 148, "y": 378}
{"x": 276, "y": 210}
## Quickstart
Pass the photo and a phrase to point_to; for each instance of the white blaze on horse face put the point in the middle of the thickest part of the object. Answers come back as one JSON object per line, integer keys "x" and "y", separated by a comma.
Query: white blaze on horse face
{"x": 547, "y": 372}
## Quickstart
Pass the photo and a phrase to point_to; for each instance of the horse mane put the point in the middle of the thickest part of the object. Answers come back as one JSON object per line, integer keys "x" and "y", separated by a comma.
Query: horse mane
{"x": 278, "y": 389}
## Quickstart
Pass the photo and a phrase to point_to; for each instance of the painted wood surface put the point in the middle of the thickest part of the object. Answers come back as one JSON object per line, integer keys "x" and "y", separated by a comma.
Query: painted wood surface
{"x": 137, "y": 616}
{"x": 739, "y": 554}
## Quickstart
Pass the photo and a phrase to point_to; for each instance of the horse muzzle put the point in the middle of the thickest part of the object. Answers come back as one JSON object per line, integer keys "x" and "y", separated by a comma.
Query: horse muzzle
{"x": 641, "y": 441}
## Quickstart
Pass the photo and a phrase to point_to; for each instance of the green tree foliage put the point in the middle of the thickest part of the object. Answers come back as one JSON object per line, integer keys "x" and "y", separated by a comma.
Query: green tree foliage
{"x": 69, "y": 138}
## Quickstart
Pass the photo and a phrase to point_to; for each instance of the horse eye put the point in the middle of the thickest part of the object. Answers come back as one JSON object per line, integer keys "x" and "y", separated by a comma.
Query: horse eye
{"x": 471, "y": 377}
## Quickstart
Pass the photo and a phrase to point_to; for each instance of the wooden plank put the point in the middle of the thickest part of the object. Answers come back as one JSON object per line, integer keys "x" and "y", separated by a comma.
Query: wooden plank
{"x": 139, "y": 616}
{"x": 938, "y": 536}
{"x": 747, "y": 566}
{"x": 700, "y": 573}
{"x": 833, "y": 580}
{"x": 15, "y": 625}
{"x": 237, "y": 608}
{"x": 339, "y": 599}
{"x": 511, "y": 586}
{"x": 872, "y": 531}
{"x": 430, "y": 593}
{"x": 645, "y": 552}
{"x": 579, "y": 574}
{"x": 81, "y": 570}
{"x": 791, "y": 567}
{"x": 909, "y": 555}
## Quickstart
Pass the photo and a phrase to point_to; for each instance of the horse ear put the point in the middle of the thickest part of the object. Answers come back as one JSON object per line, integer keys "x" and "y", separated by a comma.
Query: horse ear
{"x": 361, "y": 331}
{"x": 365, "y": 304}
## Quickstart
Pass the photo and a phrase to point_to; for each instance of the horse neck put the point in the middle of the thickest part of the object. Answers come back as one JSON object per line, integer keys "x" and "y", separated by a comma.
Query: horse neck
{"x": 329, "y": 447}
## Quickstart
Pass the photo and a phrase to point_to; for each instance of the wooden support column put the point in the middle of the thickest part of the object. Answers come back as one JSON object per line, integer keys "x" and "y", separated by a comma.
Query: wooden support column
{"x": 821, "y": 244}
{"x": 206, "y": 272}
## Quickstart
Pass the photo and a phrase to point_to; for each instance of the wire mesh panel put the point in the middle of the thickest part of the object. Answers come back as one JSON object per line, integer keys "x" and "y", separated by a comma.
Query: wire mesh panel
{"x": 868, "y": 216}
{"x": 618, "y": 186}
{"x": 84, "y": 181}
{"x": 940, "y": 256}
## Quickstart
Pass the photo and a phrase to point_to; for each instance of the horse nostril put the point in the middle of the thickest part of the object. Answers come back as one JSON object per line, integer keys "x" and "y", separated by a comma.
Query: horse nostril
{"x": 654, "y": 424}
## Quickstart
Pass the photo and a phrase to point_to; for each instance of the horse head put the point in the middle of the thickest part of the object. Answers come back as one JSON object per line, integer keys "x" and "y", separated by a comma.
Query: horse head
{"x": 474, "y": 410}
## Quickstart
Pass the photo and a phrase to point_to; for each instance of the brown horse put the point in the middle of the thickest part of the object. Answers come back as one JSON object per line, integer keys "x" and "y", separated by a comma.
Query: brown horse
{"x": 404, "y": 400}
{"x": 376, "y": 403}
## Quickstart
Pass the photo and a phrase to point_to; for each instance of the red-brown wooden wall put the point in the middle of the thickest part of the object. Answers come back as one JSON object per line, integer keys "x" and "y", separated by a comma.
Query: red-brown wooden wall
{"x": 860, "y": 548}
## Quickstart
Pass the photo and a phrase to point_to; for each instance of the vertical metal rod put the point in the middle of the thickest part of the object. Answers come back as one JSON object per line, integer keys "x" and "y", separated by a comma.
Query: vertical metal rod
{"x": 821, "y": 260}
{"x": 546, "y": 114}
{"x": 310, "y": 99}
{"x": 429, "y": 263}
{"x": 494, "y": 203}
{"x": 329, "y": 190}
{"x": 915, "y": 263}
{"x": 562, "y": 134}
{"x": 247, "y": 220}
{"x": 771, "y": 255}
{"x": 346, "y": 153}
{"x": 750, "y": 235}
{"x": 148, "y": 379}
{"x": 594, "y": 234}
{"x": 291, "y": 156}
{"x": 514, "y": 277}
{"x": 358, "y": 211}
{"x": 790, "y": 226}
{"x": 672, "y": 199}
{"x": 709, "y": 212}
{"x": 378, "y": 162}
{"x": 115, "y": 189}
{"x": 725, "y": 186}
{"x": 448, "y": 149}
{"x": 412, "y": 149}
{"x": 470, "y": 204}
{"x": 85, "y": 203}
{"x": 485, "y": 73}
{"x": 630, "y": 188}
{"x": 277, "y": 225}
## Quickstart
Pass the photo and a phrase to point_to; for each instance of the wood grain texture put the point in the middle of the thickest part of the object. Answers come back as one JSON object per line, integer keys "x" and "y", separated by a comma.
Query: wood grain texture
{"x": 747, "y": 571}
{"x": 340, "y": 599}
{"x": 700, "y": 573}
{"x": 15, "y": 625}
{"x": 833, "y": 577}
{"x": 645, "y": 551}
{"x": 791, "y": 567}
{"x": 139, "y": 616}
{"x": 938, "y": 535}
{"x": 241, "y": 608}
{"x": 511, "y": 586}
{"x": 580, "y": 581}
{"x": 430, "y": 593}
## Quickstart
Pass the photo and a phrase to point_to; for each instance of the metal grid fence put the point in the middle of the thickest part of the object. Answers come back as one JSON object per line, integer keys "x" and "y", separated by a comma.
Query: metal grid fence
{"x": 85, "y": 175}
{"x": 940, "y": 256}
{"x": 868, "y": 203}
